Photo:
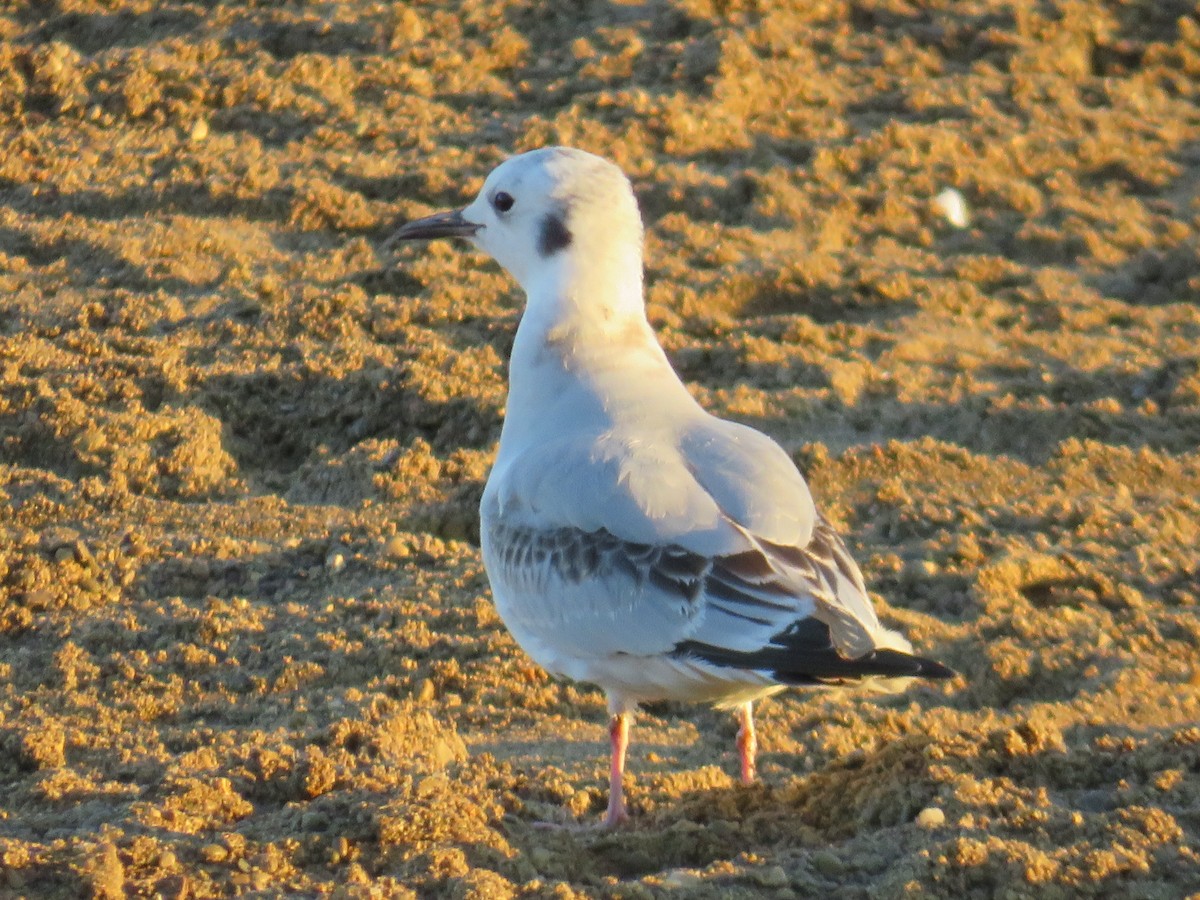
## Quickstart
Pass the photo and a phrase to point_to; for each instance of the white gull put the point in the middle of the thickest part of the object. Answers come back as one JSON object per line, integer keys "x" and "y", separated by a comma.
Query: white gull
{"x": 632, "y": 539}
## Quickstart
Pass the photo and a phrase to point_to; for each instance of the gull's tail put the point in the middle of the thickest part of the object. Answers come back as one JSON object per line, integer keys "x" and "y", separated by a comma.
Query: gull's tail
{"x": 804, "y": 654}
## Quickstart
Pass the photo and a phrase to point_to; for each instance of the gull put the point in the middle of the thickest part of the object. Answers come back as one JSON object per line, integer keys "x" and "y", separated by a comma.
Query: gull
{"x": 631, "y": 539}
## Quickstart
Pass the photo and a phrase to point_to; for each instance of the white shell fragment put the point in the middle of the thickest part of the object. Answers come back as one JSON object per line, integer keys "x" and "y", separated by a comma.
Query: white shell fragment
{"x": 953, "y": 207}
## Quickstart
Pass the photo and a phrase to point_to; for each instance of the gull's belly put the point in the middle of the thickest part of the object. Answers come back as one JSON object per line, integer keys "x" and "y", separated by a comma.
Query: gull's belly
{"x": 635, "y": 678}
{"x": 592, "y": 604}
{"x": 612, "y": 633}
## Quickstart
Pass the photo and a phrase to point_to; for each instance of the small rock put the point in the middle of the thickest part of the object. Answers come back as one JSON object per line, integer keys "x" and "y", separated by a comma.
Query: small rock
{"x": 931, "y": 817}
{"x": 953, "y": 207}
{"x": 426, "y": 692}
{"x": 268, "y": 286}
{"x": 314, "y": 821}
{"x": 199, "y": 130}
{"x": 827, "y": 863}
{"x": 397, "y": 548}
{"x": 770, "y": 877}
{"x": 214, "y": 853}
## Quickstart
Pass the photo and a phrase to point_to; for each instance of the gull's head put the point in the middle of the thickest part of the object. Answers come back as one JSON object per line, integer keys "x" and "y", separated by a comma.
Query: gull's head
{"x": 547, "y": 210}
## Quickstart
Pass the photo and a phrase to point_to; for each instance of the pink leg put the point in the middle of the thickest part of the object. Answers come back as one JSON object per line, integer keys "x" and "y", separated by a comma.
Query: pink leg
{"x": 618, "y": 734}
{"x": 747, "y": 743}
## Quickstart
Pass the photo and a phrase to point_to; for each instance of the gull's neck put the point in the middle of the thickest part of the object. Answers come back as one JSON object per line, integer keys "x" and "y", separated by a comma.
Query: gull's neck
{"x": 587, "y": 287}
{"x": 584, "y": 353}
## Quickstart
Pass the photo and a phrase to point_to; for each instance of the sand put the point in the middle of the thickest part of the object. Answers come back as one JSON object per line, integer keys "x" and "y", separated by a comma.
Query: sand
{"x": 246, "y": 641}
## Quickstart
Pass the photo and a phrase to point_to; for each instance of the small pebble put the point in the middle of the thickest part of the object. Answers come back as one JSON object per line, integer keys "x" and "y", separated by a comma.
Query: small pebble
{"x": 313, "y": 821}
{"x": 931, "y": 817}
{"x": 827, "y": 863}
{"x": 426, "y": 691}
{"x": 397, "y": 548}
{"x": 953, "y": 207}
{"x": 214, "y": 853}
{"x": 199, "y": 130}
{"x": 770, "y": 877}
{"x": 268, "y": 286}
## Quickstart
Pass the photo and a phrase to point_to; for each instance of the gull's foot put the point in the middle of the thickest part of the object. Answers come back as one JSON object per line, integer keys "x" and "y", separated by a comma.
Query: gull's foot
{"x": 615, "y": 818}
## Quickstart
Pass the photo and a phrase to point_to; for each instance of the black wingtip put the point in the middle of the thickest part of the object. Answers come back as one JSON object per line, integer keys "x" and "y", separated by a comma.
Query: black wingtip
{"x": 932, "y": 669}
{"x": 896, "y": 664}
{"x": 817, "y": 662}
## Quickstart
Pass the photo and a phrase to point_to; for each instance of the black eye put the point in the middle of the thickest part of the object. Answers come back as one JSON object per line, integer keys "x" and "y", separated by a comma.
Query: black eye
{"x": 503, "y": 201}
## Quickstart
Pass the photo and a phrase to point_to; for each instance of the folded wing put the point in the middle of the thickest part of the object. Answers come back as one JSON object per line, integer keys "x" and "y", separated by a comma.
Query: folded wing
{"x": 708, "y": 549}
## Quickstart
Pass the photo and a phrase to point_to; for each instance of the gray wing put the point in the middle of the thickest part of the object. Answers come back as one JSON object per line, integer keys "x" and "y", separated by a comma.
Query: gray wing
{"x": 820, "y": 638}
{"x": 708, "y": 546}
{"x": 770, "y": 610}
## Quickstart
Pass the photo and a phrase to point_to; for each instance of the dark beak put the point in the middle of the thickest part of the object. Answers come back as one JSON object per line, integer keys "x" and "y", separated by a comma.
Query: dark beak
{"x": 439, "y": 225}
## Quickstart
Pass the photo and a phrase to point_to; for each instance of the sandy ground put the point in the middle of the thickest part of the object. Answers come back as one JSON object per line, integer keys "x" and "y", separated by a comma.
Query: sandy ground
{"x": 246, "y": 643}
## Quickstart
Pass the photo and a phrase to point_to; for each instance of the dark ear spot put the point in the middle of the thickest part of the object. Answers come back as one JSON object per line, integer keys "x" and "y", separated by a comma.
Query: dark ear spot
{"x": 554, "y": 235}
